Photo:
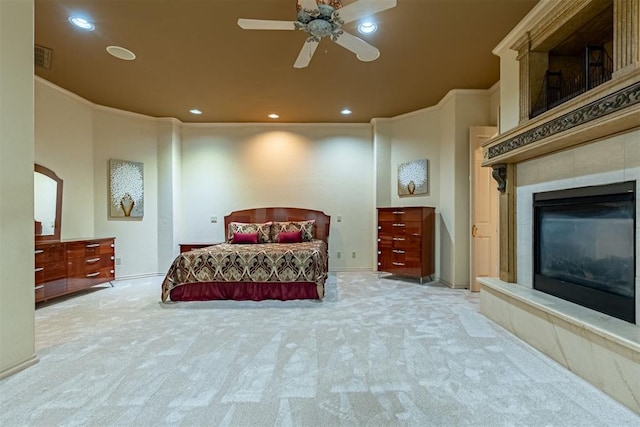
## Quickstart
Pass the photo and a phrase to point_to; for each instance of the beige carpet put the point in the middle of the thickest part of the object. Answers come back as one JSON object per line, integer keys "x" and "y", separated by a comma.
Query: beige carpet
{"x": 376, "y": 352}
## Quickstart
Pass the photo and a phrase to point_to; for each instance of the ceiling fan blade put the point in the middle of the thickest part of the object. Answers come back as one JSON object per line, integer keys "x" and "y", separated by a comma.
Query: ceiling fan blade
{"x": 263, "y": 24}
{"x": 309, "y": 4}
{"x": 363, "y": 8}
{"x": 304, "y": 57}
{"x": 363, "y": 50}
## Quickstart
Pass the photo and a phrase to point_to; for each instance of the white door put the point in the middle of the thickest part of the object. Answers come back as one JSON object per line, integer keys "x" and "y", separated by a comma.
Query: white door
{"x": 484, "y": 210}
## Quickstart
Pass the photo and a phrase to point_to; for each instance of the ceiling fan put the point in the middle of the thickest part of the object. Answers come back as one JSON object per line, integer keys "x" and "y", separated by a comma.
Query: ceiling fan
{"x": 325, "y": 18}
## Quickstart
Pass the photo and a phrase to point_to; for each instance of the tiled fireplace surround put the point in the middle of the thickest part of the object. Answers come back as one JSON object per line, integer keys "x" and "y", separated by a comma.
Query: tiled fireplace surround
{"x": 602, "y": 149}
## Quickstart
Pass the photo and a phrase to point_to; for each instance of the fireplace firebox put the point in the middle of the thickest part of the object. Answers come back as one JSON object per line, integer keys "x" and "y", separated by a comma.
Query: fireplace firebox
{"x": 584, "y": 247}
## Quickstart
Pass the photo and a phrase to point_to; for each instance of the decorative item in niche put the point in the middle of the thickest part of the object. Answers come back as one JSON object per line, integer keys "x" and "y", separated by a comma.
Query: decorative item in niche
{"x": 126, "y": 189}
{"x": 413, "y": 178}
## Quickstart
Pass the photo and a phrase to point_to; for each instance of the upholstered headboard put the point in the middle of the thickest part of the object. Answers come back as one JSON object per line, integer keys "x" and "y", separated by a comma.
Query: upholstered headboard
{"x": 282, "y": 214}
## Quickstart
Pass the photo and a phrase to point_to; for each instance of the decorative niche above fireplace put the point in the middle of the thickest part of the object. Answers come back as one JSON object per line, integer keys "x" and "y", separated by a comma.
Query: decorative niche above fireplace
{"x": 584, "y": 247}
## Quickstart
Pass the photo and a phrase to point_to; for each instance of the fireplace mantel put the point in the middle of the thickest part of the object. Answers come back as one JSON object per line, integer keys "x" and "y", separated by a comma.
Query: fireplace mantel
{"x": 609, "y": 109}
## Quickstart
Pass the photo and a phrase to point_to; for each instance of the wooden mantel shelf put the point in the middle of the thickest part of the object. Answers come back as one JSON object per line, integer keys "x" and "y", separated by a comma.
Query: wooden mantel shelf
{"x": 611, "y": 108}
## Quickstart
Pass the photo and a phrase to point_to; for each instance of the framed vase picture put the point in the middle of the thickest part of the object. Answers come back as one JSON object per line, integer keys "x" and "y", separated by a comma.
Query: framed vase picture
{"x": 126, "y": 189}
{"x": 413, "y": 178}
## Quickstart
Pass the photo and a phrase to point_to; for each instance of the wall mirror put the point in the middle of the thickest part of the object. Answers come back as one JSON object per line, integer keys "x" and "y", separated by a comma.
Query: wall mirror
{"x": 47, "y": 209}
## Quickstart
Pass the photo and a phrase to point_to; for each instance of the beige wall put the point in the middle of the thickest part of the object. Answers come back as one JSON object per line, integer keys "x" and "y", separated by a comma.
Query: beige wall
{"x": 439, "y": 134}
{"x": 17, "y": 349}
{"x": 63, "y": 143}
{"x": 327, "y": 167}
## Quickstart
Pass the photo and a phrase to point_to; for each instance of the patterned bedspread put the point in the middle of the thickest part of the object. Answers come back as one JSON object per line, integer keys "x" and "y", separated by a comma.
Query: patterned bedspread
{"x": 267, "y": 262}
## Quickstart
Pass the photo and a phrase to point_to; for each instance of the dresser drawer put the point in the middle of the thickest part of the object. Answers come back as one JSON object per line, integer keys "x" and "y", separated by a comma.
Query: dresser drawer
{"x": 96, "y": 277}
{"x": 408, "y": 243}
{"x": 400, "y": 214}
{"x": 400, "y": 228}
{"x": 90, "y": 248}
{"x": 49, "y": 253}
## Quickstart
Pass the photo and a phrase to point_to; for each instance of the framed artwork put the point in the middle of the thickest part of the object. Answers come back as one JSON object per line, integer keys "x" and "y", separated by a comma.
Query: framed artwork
{"x": 126, "y": 189}
{"x": 413, "y": 178}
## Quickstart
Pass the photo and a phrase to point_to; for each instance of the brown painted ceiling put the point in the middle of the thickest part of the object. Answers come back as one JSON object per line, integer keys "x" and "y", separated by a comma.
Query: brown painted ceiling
{"x": 192, "y": 54}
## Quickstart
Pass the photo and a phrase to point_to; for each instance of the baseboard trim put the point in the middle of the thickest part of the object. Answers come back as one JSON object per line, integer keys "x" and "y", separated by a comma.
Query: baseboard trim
{"x": 19, "y": 367}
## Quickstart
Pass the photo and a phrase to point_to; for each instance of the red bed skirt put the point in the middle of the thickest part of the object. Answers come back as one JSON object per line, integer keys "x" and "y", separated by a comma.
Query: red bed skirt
{"x": 256, "y": 291}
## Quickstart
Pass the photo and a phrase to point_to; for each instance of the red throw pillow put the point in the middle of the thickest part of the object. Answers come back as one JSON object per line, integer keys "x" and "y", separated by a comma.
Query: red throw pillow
{"x": 290, "y": 236}
{"x": 245, "y": 238}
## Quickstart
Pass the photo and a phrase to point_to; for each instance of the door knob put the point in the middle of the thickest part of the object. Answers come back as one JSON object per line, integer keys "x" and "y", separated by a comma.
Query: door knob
{"x": 474, "y": 230}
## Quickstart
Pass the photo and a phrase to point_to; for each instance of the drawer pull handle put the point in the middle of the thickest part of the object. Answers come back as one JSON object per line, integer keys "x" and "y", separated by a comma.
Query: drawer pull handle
{"x": 112, "y": 271}
{"x": 399, "y": 224}
{"x": 398, "y": 263}
{"x": 113, "y": 245}
{"x": 39, "y": 287}
{"x": 379, "y": 252}
{"x": 38, "y": 251}
{"x": 113, "y": 258}
{"x": 92, "y": 260}
{"x": 398, "y": 212}
{"x": 379, "y": 263}
{"x": 97, "y": 273}
{"x": 397, "y": 251}
{"x": 93, "y": 245}
{"x": 39, "y": 269}
{"x": 398, "y": 239}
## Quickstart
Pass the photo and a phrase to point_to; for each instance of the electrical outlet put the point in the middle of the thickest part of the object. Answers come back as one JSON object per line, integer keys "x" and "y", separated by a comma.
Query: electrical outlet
{"x": 339, "y": 218}
{"x": 338, "y": 255}
{"x": 118, "y": 261}
{"x": 214, "y": 219}
{"x": 353, "y": 254}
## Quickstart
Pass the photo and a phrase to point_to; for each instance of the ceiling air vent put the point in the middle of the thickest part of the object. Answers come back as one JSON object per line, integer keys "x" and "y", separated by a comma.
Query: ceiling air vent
{"x": 42, "y": 57}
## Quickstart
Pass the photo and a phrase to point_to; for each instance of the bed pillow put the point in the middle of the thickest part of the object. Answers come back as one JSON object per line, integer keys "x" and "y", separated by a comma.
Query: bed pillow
{"x": 263, "y": 230}
{"x": 290, "y": 236}
{"x": 245, "y": 238}
{"x": 307, "y": 228}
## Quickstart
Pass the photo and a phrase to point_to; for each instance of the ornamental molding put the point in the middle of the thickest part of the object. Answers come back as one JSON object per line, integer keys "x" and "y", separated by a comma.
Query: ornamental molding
{"x": 622, "y": 99}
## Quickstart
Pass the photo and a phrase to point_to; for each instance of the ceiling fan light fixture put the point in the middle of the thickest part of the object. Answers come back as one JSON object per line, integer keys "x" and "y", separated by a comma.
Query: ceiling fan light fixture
{"x": 336, "y": 4}
{"x": 81, "y": 22}
{"x": 367, "y": 27}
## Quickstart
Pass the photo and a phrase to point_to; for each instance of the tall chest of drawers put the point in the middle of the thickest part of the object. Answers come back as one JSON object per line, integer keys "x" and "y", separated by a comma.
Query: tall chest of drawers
{"x": 64, "y": 267}
{"x": 406, "y": 241}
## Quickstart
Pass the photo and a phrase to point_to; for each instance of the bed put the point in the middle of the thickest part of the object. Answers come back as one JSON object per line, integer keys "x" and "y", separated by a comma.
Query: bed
{"x": 269, "y": 253}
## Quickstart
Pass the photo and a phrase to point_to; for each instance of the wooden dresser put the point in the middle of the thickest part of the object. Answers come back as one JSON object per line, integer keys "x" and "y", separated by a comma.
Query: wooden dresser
{"x": 66, "y": 266}
{"x": 406, "y": 241}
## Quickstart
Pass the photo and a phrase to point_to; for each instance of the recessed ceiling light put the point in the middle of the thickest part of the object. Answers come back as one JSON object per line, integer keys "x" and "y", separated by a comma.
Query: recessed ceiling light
{"x": 121, "y": 53}
{"x": 345, "y": 112}
{"x": 367, "y": 27}
{"x": 273, "y": 116}
{"x": 82, "y": 23}
{"x": 195, "y": 111}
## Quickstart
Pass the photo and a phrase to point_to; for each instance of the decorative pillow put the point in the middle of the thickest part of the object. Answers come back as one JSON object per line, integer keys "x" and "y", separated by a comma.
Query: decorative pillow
{"x": 263, "y": 230}
{"x": 307, "y": 228}
{"x": 290, "y": 236}
{"x": 245, "y": 238}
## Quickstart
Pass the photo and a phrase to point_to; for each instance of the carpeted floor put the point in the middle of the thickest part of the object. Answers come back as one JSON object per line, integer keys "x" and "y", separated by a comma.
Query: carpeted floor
{"x": 376, "y": 352}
